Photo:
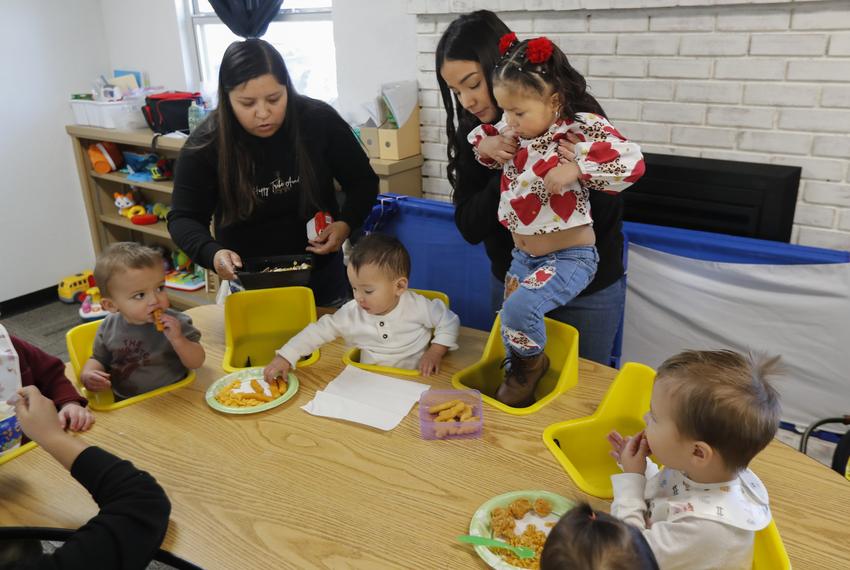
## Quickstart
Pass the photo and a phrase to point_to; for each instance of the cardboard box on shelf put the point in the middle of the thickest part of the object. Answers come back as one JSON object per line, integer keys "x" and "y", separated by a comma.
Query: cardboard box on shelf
{"x": 399, "y": 176}
{"x": 401, "y": 142}
{"x": 369, "y": 138}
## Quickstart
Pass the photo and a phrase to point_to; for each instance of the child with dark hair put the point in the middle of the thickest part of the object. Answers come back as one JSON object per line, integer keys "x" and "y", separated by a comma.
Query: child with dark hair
{"x": 711, "y": 412}
{"x": 544, "y": 200}
{"x": 391, "y": 325}
{"x": 586, "y": 539}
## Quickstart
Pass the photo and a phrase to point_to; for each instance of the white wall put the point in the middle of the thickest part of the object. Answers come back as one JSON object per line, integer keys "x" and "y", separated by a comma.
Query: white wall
{"x": 375, "y": 43}
{"x": 766, "y": 83}
{"x": 144, "y": 36}
{"x": 51, "y": 48}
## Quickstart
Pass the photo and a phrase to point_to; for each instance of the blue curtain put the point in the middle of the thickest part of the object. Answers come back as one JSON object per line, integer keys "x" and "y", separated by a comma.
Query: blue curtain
{"x": 247, "y": 18}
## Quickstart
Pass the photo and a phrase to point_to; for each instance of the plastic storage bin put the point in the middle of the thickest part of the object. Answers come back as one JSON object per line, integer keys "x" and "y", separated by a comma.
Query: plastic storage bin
{"x": 487, "y": 375}
{"x": 254, "y": 276}
{"x": 431, "y": 429}
{"x": 124, "y": 114}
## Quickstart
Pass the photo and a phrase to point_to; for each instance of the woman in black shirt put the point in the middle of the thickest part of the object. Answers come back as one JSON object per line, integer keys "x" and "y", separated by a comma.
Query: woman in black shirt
{"x": 261, "y": 166}
{"x": 466, "y": 55}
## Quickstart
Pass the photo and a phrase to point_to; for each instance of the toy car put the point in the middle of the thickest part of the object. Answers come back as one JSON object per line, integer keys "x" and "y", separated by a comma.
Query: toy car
{"x": 72, "y": 289}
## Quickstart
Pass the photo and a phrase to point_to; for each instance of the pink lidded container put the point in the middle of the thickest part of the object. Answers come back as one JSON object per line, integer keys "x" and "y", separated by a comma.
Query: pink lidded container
{"x": 455, "y": 429}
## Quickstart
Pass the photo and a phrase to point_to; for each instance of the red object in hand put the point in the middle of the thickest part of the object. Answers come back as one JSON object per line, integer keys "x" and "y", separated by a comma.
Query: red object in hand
{"x": 318, "y": 223}
{"x": 144, "y": 219}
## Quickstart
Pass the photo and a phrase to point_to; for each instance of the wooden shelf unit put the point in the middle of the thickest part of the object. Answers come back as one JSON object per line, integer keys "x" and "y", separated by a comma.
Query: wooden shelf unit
{"x": 400, "y": 176}
{"x": 105, "y": 224}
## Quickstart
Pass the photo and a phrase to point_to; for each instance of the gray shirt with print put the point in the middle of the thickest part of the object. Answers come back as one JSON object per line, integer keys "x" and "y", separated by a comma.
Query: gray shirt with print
{"x": 138, "y": 357}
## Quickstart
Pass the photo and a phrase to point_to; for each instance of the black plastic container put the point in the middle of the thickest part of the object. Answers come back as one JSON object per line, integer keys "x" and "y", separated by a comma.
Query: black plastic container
{"x": 253, "y": 275}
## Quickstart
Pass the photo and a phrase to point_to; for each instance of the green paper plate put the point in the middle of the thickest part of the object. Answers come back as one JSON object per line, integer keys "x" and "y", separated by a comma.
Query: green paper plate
{"x": 248, "y": 374}
{"x": 480, "y": 525}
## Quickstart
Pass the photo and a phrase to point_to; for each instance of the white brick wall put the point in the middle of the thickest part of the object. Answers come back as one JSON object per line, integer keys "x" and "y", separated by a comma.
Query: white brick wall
{"x": 767, "y": 81}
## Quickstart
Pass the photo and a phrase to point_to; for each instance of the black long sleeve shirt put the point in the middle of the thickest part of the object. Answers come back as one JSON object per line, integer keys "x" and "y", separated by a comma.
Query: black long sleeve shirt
{"x": 276, "y": 226}
{"x": 130, "y": 526}
{"x": 476, "y": 199}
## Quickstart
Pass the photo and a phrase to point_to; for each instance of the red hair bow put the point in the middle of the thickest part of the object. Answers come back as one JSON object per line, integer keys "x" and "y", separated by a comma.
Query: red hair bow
{"x": 506, "y": 41}
{"x": 539, "y": 50}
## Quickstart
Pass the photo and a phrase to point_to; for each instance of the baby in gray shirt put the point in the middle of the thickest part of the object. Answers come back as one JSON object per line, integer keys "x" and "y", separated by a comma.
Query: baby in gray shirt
{"x": 142, "y": 345}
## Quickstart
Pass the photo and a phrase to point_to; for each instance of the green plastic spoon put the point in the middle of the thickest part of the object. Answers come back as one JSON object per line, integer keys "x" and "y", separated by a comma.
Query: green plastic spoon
{"x": 520, "y": 551}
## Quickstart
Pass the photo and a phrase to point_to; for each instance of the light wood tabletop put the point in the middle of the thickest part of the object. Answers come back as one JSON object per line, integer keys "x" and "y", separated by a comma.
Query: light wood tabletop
{"x": 285, "y": 489}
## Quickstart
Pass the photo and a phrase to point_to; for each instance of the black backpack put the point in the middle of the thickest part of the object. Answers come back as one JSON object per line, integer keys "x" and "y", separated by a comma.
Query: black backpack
{"x": 168, "y": 112}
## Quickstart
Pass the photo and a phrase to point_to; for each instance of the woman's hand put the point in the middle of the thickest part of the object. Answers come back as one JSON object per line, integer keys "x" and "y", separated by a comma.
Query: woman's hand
{"x": 226, "y": 262}
{"x": 330, "y": 239}
{"x": 500, "y": 148}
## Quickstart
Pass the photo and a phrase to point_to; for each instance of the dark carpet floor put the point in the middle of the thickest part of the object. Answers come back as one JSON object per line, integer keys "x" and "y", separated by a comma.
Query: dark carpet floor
{"x": 44, "y": 325}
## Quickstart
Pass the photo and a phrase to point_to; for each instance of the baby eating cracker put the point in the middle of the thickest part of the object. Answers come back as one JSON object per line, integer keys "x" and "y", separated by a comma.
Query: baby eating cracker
{"x": 142, "y": 344}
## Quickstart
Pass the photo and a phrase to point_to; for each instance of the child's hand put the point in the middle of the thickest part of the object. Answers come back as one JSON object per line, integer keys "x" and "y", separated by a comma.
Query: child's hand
{"x": 278, "y": 368}
{"x": 171, "y": 327}
{"x": 75, "y": 417}
{"x": 37, "y": 415}
{"x": 500, "y": 148}
{"x": 618, "y": 442}
{"x": 567, "y": 147}
{"x": 562, "y": 175}
{"x": 430, "y": 361}
{"x": 96, "y": 380}
{"x": 634, "y": 454}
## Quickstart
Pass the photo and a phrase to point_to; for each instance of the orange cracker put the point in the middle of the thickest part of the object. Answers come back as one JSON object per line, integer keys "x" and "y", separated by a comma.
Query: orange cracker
{"x": 157, "y": 320}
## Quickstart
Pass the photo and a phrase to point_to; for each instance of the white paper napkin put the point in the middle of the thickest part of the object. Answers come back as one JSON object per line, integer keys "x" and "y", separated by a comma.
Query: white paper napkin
{"x": 366, "y": 398}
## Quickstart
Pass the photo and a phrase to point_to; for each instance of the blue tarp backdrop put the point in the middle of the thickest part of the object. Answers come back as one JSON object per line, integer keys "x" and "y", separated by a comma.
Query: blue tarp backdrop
{"x": 444, "y": 261}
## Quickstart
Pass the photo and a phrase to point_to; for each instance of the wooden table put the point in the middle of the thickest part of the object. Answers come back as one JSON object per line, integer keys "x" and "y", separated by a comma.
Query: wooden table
{"x": 284, "y": 489}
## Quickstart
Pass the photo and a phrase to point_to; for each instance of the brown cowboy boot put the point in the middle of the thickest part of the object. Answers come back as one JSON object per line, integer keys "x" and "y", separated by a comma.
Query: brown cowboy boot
{"x": 521, "y": 379}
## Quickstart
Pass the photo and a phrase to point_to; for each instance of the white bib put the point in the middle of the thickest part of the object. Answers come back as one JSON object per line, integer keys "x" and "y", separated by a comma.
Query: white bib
{"x": 741, "y": 503}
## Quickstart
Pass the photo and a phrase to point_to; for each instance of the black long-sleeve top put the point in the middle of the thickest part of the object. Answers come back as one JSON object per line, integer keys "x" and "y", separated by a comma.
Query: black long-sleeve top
{"x": 276, "y": 226}
{"x": 130, "y": 526}
{"x": 476, "y": 199}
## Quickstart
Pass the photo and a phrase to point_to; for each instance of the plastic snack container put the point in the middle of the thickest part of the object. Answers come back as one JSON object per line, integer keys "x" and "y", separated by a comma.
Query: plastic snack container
{"x": 450, "y": 430}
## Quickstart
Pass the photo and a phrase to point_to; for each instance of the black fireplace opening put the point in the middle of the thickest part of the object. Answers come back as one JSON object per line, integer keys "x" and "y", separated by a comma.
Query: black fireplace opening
{"x": 723, "y": 196}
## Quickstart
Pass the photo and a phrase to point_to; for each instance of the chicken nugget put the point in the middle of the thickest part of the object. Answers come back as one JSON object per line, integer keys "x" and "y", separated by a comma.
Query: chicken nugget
{"x": 437, "y": 408}
{"x": 471, "y": 419}
{"x": 542, "y": 507}
{"x": 520, "y": 508}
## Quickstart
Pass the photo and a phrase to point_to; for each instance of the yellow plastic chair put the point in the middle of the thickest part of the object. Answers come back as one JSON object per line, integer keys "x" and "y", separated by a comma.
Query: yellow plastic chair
{"x": 352, "y": 357}
{"x": 21, "y": 449}
{"x": 258, "y": 322}
{"x": 80, "y": 341}
{"x": 768, "y": 550}
{"x": 580, "y": 445}
{"x": 486, "y": 375}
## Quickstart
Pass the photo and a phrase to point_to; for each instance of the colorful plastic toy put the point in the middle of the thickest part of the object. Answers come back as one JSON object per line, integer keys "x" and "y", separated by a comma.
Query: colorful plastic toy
{"x": 72, "y": 289}
{"x": 91, "y": 309}
{"x": 487, "y": 374}
{"x": 186, "y": 275}
{"x": 126, "y": 204}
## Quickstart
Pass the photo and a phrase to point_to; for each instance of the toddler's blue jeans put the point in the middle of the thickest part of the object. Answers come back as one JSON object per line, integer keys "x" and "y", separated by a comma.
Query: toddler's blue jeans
{"x": 536, "y": 285}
